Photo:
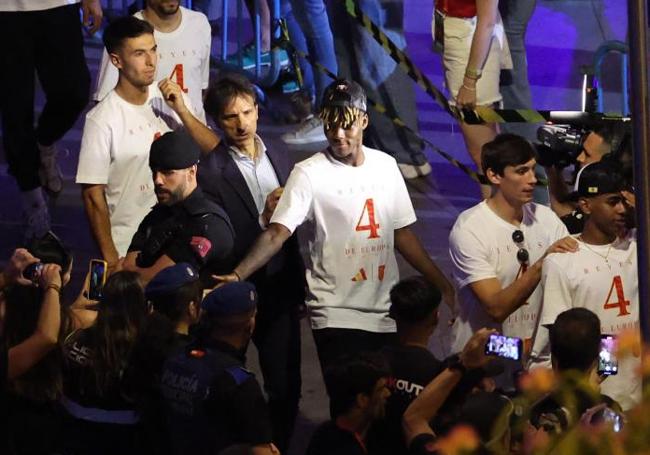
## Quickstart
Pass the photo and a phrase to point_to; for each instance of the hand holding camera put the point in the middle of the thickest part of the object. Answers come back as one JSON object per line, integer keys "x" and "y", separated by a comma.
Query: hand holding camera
{"x": 50, "y": 277}
{"x": 19, "y": 268}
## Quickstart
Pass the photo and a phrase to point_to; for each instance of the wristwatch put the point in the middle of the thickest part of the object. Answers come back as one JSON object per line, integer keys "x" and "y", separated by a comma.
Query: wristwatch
{"x": 453, "y": 363}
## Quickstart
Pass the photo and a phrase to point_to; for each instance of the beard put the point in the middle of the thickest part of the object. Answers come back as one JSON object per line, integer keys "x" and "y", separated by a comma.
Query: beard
{"x": 166, "y": 8}
{"x": 170, "y": 197}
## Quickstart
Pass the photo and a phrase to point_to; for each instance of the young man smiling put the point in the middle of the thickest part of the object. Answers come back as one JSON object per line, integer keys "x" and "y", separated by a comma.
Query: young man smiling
{"x": 361, "y": 212}
{"x": 497, "y": 246}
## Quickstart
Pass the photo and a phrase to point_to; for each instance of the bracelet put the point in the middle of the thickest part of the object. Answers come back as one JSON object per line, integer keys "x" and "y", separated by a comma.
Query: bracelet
{"x": 469, "y": 88}
{"x": 56, "y": 287}
{"x": 237, "y": 275}
{"x": 473, "y": 74}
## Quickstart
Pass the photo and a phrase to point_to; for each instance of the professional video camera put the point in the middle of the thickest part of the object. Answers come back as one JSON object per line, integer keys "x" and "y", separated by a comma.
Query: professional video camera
{"x": 559, "y": 145}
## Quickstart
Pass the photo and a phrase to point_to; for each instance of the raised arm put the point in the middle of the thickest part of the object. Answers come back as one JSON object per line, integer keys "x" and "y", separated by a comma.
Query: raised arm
{"x": 204, "y": 136}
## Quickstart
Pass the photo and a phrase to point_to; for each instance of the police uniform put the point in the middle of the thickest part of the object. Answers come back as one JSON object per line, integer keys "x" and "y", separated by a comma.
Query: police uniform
{"x": 211, "y": 400}
{"x": 194, "y": 230}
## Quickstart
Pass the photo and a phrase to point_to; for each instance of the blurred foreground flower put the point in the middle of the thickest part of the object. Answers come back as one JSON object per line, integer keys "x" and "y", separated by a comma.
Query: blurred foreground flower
{"x": 462, "y": 439}
{"x": 538, "y": 381}
{"x": 628, "y": 343}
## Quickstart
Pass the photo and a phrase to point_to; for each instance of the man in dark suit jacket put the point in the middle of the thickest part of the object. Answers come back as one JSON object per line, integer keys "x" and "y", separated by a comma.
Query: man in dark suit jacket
{"x": 246, "y": 179}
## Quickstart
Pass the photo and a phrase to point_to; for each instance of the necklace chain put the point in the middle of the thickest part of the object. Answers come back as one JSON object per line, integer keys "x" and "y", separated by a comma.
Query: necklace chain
{"x": 609, "y": 249}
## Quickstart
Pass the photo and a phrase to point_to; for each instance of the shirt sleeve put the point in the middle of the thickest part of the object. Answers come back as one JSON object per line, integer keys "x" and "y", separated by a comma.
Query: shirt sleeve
{"x": 210, "y": 238}
{"x": 205, "y": 62}
{"x": 296, "y": 203}
{"x": 469, "y": 257}
{"x": 403, "y": 207}
{"x": 106, "y": 78}
{"x": 557, "y": 293}
{"x": 95, "y": 154}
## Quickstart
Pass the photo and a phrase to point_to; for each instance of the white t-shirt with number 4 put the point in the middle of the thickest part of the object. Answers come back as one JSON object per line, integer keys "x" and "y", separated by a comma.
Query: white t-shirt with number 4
{"x": 481, "y": 247}
{"x": 183, "y": 56}
{"x": 354, "y": 211}
{"x": 610, "y": 289}
{"x": 114, "y": 152}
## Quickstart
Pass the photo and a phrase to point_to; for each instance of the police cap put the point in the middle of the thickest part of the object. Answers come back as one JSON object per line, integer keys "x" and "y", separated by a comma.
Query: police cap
{"x": 170, "y": 279}
{"x": 173, "y": 150}
{"x": 231, "y": 299}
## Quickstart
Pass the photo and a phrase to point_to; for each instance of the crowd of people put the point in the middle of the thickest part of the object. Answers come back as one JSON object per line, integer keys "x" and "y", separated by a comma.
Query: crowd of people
{"x": 198, "y": 228}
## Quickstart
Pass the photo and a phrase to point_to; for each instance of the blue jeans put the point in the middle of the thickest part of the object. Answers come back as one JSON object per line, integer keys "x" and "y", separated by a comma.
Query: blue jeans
{"x": 360, "y": 58}
{"x": 310, "y": 32}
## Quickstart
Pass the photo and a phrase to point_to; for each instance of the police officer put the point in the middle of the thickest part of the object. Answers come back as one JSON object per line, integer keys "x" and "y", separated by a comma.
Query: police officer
{"x": 211, "y": 400}
{"x": 184, "y": 226}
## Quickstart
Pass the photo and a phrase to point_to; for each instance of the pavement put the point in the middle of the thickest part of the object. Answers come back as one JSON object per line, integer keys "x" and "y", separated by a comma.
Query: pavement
{"x": 562, "y": 36}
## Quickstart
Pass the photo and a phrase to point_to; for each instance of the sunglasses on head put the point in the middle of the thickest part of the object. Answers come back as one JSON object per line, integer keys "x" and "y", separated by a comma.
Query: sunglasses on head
{"x": 522, "y": 254}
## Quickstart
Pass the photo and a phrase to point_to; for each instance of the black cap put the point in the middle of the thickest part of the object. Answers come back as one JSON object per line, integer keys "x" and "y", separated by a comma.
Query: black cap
{"x": 344, "y": 93}
{"x": 174, "y": 150}
{"x": 599, "y": 178}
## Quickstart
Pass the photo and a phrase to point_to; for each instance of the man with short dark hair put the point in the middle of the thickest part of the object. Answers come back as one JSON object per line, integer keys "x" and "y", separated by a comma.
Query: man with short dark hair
{"x": 358, "y": 392}
{"x": 497, "y": 246}
{"x": 414, "y": 307}
{"x": 212, "y": 401}
{"x": 113, "y": 168}
{"x": 246, "y": 179}
{"x": 575, "y": 346}
{"x": 184, "y": 40}
{"x": 184, "y": 226}
{"x": 601, "y": 276}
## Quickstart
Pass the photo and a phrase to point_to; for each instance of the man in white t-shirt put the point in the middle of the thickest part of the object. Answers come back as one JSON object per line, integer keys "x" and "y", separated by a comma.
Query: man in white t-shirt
{"x": 497, "y": 246}
{"x": 184, "y": 40}
{"x": 360, "y": 211}
{"x": 601, "y": 276}
{"x": 43, "y": 38}
{"x": 113, "y": 168}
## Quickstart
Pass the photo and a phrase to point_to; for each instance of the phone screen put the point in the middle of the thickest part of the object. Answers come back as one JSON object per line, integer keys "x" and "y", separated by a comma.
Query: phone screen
{"x": 97, "y": 278}
{"x": 503, "y": 346}
{"x": 607, "y": 361}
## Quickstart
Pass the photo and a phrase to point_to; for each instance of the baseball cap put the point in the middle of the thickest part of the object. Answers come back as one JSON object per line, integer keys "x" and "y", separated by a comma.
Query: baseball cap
{"x": 344, "y": 93}
{"x": 174, "y": 150}
{"x": 598, "y": 178}
{"x": 170, "y": 279}
{"x": 231, "y": 299}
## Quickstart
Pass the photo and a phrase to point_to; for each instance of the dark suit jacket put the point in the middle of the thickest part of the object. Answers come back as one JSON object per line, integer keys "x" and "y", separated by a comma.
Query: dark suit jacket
{"x": 283, "y": 277}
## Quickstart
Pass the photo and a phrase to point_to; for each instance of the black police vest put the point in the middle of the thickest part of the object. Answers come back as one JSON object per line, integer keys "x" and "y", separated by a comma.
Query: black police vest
{"x": 197, "y": 424}
{"x": 173, "y": 221}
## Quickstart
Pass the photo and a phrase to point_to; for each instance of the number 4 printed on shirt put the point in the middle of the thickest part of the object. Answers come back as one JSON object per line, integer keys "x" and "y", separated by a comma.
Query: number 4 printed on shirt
{"x": 372, "y": 226}
{"x": 178, "y": 72}
{"x": 621, "y": 304}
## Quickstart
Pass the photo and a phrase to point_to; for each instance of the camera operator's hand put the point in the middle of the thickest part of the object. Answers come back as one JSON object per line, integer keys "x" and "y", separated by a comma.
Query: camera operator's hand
{"x": 629, "y": 198}
{"x": 473, "y": 355}
{"x": 50, "y": 277}
{"x": 20, "y": 260}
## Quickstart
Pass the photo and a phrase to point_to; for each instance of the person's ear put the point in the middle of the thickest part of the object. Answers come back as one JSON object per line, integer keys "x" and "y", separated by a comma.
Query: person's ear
{"x": 364, "y": 121}
{"x": 115, "y": 60}
{"x": 585, "y": 206}
{"x": 493, "y": 177}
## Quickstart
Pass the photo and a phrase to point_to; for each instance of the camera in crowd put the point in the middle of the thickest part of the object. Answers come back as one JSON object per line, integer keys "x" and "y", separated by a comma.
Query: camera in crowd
{"x": 559, "y": 145}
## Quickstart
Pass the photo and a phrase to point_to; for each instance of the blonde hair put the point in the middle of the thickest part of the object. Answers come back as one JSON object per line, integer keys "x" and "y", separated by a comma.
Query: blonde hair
{"x": 344, "y": 116}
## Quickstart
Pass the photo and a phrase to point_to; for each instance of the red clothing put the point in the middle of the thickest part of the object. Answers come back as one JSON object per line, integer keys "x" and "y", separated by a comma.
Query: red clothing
{"x": 457, "y": 8}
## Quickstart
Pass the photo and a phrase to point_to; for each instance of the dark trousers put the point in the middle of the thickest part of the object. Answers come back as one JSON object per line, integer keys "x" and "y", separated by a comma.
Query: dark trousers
{"x": 333, "y": 343}
{"x": 48, "y": 43}
{"x": 277, "y": 338}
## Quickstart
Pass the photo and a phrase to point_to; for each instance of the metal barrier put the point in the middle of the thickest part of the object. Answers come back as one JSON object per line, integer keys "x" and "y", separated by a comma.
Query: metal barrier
{"x": 593, "y": 77}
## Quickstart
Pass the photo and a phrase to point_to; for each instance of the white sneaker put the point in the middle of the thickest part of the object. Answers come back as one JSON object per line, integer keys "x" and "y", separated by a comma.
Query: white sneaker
{"x": 49, "y": 172}
{"x": 309, "y": 132}
{"x": 413, "y": 171}
{"x": 35, "y": 213}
